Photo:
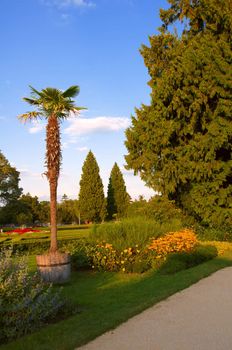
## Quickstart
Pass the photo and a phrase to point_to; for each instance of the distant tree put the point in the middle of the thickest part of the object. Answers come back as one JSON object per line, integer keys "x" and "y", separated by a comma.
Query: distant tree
{"x": 44, "y": 212}
{"x": 30, "y": 207}
{"x": 138, "y": 207}
{"x": 181, "y": 144}
{"x": 9, "y": 212}
{"x": 68, "y": 211}
{"x": 9, "y": 182}
{"x": 92, "y": 202}
{"x": 117, "y": 197}
{"x": 64, "y": 198}
{"x": 26, "y": 210}
{"x": 24, "y": 219}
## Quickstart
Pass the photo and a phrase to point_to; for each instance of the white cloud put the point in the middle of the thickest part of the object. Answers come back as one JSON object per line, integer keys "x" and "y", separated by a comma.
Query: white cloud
{"x": 82, "y": 126}
{"x": 64, "y": 145}
{"x": 37, "y": 127}
{"x": 27, "y": 173}
{"x": 70, "y": 3}
{"x": 82, "y": 149}
{"x": 83, "y": 3}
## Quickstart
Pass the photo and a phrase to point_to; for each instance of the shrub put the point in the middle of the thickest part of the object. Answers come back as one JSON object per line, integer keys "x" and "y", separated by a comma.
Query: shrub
{"x": 104, "y": 257}
{"x": 78, "y": 251}
{"x": 181, "y": 261}
{"x": 214, "y": 234}
{"x": 158, "y": 208}
{"x": 25, "y": 301}
{"x": 36, "y": 246}
{"x": 131, "y": 232}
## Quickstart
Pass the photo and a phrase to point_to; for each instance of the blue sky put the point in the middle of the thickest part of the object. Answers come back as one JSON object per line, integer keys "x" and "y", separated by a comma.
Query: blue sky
{"x": 94, "y": 44}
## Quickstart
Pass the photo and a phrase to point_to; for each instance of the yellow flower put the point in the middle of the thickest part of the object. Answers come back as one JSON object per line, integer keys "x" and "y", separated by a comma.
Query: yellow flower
{"x": 122, "y": 262}
{"x": 123, "y": 269}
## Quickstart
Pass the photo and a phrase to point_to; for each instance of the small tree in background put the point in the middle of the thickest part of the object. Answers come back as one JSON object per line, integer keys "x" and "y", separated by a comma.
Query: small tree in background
{"x": 44, "y": 214}
{"x": 117, "y": 197}
{"x": 29, "y": 208}
{"x": 91, "y": 197}
{"x": 68, "y": 211}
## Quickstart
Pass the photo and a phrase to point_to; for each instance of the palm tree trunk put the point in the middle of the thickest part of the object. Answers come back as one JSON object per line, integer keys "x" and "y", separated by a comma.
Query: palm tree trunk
{"x": 53, "y": 221}
{"x": 53, "y": 159}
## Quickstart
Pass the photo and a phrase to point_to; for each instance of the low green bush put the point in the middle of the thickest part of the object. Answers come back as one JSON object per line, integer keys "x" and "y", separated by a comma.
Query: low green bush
{"x": 78, "y": 251}
{"x": 25, "y": 301}
{"x": 131, "y": 232}
{"x": 104, "y": 257}
{"x": 181, "y": 261}
{"x": 33, "y": 247}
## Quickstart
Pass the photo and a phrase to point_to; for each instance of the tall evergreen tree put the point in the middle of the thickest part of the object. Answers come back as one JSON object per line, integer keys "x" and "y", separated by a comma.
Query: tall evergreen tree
{"x": 181, "y": 144}
{"x": 92, "y": 202}
{"x": 117, "y": 196}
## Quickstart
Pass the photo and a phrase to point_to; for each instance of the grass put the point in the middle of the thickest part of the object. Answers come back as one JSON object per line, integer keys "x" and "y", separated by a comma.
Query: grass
{"x": 107, "y": 299}
{"x": 64, "y": 232}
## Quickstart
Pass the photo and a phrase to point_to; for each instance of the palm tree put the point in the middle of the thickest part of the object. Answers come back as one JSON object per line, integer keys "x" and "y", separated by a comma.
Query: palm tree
{"x": 55, "y": 106}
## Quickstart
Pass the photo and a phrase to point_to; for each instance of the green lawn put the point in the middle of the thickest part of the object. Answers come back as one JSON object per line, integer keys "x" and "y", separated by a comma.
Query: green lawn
{"x": 64, "y": 232}
{"x": 107, "y": 299}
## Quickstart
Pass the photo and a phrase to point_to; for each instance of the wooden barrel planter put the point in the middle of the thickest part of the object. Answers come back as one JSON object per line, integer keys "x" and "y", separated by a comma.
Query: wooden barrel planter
{"x": 54, "y": 267}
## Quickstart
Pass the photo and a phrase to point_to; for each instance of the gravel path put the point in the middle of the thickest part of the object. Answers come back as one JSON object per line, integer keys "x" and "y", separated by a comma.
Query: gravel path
{"x": 197, "y": 318}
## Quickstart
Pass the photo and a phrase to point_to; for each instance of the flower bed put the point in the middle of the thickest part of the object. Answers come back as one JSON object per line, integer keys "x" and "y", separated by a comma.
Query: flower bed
{"x": 173, "y": 242}
{"x": 21, "y": 231}
{"x": 104, "y": 256}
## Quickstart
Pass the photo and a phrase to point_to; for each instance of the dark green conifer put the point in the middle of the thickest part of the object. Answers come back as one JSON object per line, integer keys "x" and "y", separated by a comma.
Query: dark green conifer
{"x": 181, "y": 144}
{"x": 117, "y": 196}
{"x": 92, "y": 202}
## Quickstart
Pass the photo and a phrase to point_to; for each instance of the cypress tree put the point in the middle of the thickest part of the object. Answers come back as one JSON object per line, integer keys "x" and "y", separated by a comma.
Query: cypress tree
{"x": 181, "y": 144}
{"x": 117, "y": 196}
{"x": 91, "y": 196}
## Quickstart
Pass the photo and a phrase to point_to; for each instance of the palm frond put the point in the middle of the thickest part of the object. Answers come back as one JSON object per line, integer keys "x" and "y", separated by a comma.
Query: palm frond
{"x": 29, "y": 116}
{"x": 78, "y": 109}
{"x": 71, "y": 92}
{"x": 31, "y": 101}
{"x": 34, "y": 91}
{"x": 51, "y": 95}
{"x": 52, "y": 101}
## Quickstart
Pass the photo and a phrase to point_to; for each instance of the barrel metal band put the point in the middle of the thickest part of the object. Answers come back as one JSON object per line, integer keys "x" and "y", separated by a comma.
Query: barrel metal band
{"x": 51, "y": 265}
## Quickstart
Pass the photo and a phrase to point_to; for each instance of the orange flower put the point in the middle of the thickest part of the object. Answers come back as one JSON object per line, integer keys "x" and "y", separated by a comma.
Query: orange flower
{"x": 181, "y": 241}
